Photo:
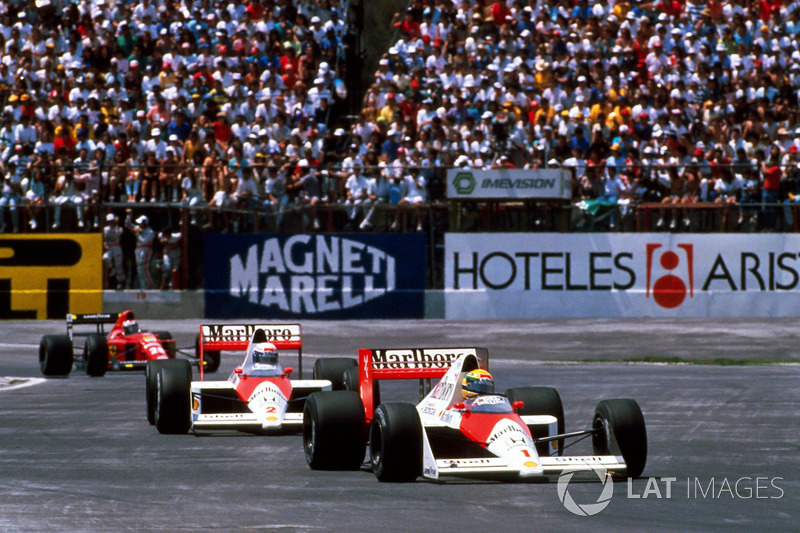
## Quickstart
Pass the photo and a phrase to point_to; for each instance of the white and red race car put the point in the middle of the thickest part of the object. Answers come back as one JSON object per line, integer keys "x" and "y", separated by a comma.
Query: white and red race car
{"x": 257, "y": 397}
{"x": 516, "y": 436}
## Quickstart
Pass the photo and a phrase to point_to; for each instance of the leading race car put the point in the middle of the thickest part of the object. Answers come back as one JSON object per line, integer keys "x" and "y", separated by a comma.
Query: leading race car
{"x": 259, "y": 395}
{"x": 124, "y": 347}
{"x": 461, "y": 427}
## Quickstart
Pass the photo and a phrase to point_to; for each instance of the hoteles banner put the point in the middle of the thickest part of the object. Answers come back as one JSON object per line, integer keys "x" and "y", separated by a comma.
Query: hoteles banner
{"x": 48, "y": 276}
{"x": 509, "y": 184}
{"x": 621, "y": 275}
{"x": 315, "y": 276}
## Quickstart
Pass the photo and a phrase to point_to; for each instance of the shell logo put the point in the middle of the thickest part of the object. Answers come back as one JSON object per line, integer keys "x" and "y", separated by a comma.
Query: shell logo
{"x": 530, "y": 464}
{"x": 272, "y": 418}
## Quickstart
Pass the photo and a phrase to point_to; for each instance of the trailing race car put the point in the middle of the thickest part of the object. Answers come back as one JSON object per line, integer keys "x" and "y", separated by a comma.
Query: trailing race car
{"x": 259, "y": 395}
{"x": 461, "y": 427}
{"x": 124, "y": 347}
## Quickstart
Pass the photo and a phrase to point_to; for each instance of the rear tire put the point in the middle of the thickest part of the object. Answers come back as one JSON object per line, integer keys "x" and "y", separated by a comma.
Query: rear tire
{"x": 95, "y": 356}
{"x": 332, "y": 369}
{"x": 55, "y": 355}
{"x": 173, "y": 390}
{"x": 212, "y": 358}
{"x": 334, "y": 431}
{"x": 168, "y": 346}
{"x": 151, "y": 382}
{"x": 395, "y": 443}
{"x": 541, "y": 401}
{"x": 351, "y": 383}
{"x": 622, "y": 432}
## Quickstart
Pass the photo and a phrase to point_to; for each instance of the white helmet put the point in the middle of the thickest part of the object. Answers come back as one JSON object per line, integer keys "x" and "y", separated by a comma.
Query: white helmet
{"x": 265, "y": 353}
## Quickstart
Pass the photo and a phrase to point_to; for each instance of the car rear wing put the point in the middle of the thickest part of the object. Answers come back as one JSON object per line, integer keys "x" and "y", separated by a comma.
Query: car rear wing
{"x": 423, "y": 364}
{"x": 97, "y": 319}
{"x": 238, "y": 337}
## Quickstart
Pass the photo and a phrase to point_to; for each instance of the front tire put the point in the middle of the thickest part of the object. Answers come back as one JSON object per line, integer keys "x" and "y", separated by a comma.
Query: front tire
{"x": 395, "y": 443}
{"x": 541, "y": 401}
{"x": 151, "y": 382}
{"x": 173, "y": 390}
{"x": 332, "y": 369}
{"x": 334, "y": 436}
{"x": 55, "y": 355}
{"x": 95, "y": 356}
{"x": 621, "y": 431}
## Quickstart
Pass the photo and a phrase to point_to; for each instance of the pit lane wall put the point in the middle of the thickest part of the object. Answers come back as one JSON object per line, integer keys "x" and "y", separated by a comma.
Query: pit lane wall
{"x": 514, "y": 275}
{"x": 47, "y": 276}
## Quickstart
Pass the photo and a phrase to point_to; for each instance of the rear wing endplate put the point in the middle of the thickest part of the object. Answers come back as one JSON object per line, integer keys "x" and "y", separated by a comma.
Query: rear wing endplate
{"x": 424, "y": 364}
{"x": 238, "y": 337}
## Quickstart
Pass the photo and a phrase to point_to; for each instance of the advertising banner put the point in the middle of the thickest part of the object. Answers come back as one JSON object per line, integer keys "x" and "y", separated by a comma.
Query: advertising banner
{"x": 509, "y": 184}
{"x": 48, "y": 276}
{"x": 315, "y": 276}
{"x": 514, "y": 275}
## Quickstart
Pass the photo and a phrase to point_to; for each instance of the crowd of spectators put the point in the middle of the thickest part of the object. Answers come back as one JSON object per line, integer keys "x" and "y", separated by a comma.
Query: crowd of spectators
{"x": 216, "y": 104}
{"x": 669, "y": 101}
{"x": 202, "y": 102}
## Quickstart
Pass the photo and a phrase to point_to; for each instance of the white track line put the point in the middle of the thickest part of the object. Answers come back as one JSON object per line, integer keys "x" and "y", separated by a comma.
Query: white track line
{"x": 26, "y": 382}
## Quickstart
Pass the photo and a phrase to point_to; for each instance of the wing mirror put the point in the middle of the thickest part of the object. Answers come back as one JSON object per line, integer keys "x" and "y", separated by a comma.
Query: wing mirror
{"x": 237, "y": 370}
{"x": 288, "y": 370}
{"x": 460, "y": 406}
{"x": 517, "y": 406}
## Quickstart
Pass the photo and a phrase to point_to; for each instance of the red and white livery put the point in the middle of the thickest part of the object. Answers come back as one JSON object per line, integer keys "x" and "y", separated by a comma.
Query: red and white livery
{"x": 516, "y": 436}
{"x": 258, "y": 396}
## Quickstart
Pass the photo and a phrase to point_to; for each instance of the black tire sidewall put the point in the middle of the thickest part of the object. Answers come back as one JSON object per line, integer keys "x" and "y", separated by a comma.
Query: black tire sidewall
{"x": 396, "y": 442}
{"x": 623, "y": 432}
{"x": 55, "y": 355}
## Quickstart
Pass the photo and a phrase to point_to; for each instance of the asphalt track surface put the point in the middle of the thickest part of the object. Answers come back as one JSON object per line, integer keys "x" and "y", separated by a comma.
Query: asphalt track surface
{"x": 77, "y": 454}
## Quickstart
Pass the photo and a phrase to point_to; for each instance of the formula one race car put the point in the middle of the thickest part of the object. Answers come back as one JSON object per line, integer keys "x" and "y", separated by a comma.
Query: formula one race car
{"x": 124, "y": 347}
{"x": 461, "y": 428}
{"x": 257, "y": 397}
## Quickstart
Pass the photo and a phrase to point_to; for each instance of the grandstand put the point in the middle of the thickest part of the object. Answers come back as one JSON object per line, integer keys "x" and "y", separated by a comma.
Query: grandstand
{"x": 251, "y": 115}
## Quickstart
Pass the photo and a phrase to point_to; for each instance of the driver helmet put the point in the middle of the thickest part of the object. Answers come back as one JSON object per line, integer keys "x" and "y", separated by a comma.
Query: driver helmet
{"x": 265, "y": 353}
{"x": 477, "y": 382}
{"x": 130, "y": 326}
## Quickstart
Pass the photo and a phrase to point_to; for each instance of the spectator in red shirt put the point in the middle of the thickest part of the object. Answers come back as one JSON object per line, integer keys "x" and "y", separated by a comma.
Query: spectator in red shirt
{"x": 408, "y": 26}
{"x": 64, "y": 143}
{"x": 222, "y": 130}
{"x": 773, "y": 174}
{"x": 499, "y": 13}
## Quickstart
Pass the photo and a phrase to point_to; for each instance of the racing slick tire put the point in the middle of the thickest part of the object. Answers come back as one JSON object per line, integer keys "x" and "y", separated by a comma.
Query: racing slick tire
{"x": 169, "y": 346}
{"x": 395, "y": 438}
{"x": 95, "y": 356}
{"x": 55, "y": 355}
{"x": 172, "y": 410}
{"x": 212, "y": 358}
{"x": 334, "y": 430}
{"x": 540, "y": 401}
{"x": 351, "y": 383}
{"x": 332, "y": 369}
{"x": 620, "y": 430}
{"x": 150, "y": 382}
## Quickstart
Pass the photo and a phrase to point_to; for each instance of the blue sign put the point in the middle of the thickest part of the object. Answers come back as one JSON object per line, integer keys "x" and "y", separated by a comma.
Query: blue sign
{"x": 315, "y": 276}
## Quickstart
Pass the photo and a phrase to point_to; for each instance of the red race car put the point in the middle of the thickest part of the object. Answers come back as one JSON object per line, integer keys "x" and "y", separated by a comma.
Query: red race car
{"x": 124, "y": 347}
